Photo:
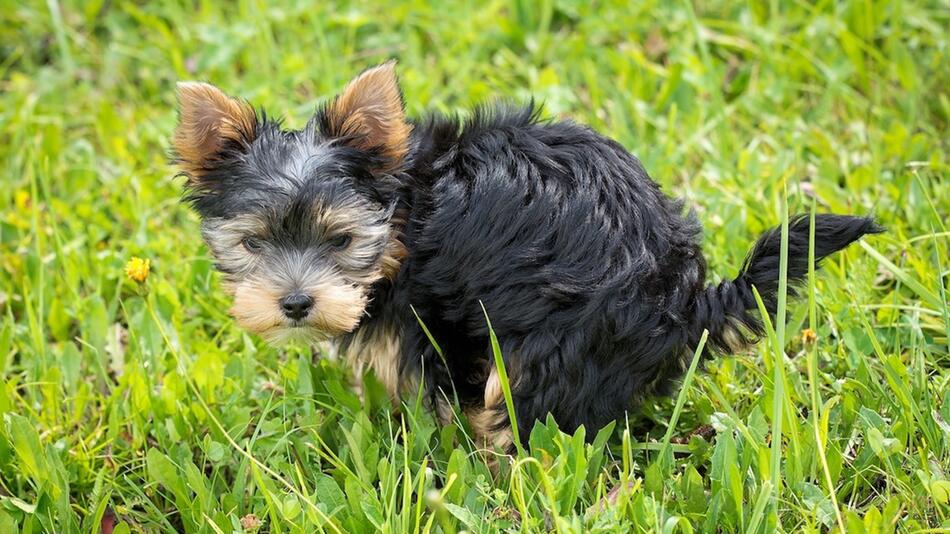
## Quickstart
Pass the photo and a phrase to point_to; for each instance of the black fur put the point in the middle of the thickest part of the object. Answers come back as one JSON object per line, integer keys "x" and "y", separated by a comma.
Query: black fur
{"x": 593, "y": 278}
{"x": 733, "y": 303}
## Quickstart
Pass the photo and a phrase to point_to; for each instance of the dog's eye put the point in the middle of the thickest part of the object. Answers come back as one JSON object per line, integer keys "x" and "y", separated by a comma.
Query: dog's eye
{"x": 252, "y": 244}
{"x": 340, "y": 242}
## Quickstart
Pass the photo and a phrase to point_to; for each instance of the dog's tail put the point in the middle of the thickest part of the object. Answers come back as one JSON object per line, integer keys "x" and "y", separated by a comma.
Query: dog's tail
{"x": 729, "y": 310}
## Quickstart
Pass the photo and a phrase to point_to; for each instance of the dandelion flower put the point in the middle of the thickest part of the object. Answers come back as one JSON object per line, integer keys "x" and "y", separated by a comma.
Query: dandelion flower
{"x": 137, "y": 269}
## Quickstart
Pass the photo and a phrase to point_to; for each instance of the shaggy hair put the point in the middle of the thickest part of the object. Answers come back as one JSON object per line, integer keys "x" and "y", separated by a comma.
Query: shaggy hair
{"x": 592, "y": 277}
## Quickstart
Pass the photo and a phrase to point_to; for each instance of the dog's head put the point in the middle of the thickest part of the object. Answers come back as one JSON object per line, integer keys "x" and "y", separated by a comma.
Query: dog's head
{"x": 300, "y": 222}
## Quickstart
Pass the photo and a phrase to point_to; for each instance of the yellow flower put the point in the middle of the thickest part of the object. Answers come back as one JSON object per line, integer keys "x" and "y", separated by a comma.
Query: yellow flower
{"x": 137, "y": 269}
{"x": 22, "y": 200}
{"x": 809, "y": 336}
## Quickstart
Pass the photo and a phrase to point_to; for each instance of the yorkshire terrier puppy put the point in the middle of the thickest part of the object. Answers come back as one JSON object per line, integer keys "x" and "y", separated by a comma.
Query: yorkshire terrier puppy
{"x": 592, "y": 277}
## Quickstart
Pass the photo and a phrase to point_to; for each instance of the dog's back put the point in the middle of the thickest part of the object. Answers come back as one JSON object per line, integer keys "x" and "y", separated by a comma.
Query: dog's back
{"x": 592, "y": 277}
{"x": 585, "y": 268}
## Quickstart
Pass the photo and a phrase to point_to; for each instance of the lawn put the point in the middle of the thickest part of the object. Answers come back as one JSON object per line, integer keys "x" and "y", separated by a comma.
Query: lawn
{"x": 141, "y": 407}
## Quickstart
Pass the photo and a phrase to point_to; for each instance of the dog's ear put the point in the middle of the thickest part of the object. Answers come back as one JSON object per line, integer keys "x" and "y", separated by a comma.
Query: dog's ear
{"x": 369, "y": 115}
{"x": 209, "y": 122}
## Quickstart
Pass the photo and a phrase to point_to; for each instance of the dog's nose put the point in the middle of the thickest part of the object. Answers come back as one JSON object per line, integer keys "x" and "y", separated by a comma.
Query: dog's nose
{"x": 296, "y": 305}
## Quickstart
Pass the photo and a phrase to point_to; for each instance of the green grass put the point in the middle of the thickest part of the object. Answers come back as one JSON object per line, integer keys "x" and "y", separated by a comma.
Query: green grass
{"x": 148, "y": 402}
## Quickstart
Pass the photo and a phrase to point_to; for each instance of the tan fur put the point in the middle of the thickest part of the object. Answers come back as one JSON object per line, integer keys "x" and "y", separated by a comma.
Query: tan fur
{"x": 392, "y": 260}
{"x": 734, "y": 339}
{"x": 370, "y": 110}
{"x": 490, "y": 423}
{"x": 206, "y": 118}
{"x": 338, "y": 308}
{"x": 485, "y": 424}
{"x": 379, "y": 351}
{"x": 255, "y": 306}
{"x": 396, "y": 252}
{"x": 337, "y": 219}
{"x": 494, "y": 396}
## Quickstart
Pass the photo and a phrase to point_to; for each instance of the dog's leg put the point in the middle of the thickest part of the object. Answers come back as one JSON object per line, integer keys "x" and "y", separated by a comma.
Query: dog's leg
{"x": 378, "y": 350}
{"x": 490, "y": 421}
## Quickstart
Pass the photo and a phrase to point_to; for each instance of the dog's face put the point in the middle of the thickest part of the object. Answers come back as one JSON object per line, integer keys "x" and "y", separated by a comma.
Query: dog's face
{"x": 299, "y": 222}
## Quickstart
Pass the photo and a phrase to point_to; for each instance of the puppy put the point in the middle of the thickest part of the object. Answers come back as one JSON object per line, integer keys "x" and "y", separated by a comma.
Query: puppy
{"x": 592, "y": 277}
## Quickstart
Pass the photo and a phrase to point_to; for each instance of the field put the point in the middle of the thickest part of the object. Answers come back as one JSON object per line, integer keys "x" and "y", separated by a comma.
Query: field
{"x": 132, "y": 406}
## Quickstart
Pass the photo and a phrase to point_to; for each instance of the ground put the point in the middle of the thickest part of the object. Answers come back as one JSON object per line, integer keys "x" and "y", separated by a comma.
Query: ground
{"x": 130, "y": 401}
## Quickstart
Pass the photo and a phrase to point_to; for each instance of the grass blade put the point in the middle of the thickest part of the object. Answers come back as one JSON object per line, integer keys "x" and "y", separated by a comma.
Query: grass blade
{"x": 812, "y": 364}
{"x": 681, "y": 397}
{"x": 929, "y": 296}
{"x": 503, "y": 378}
